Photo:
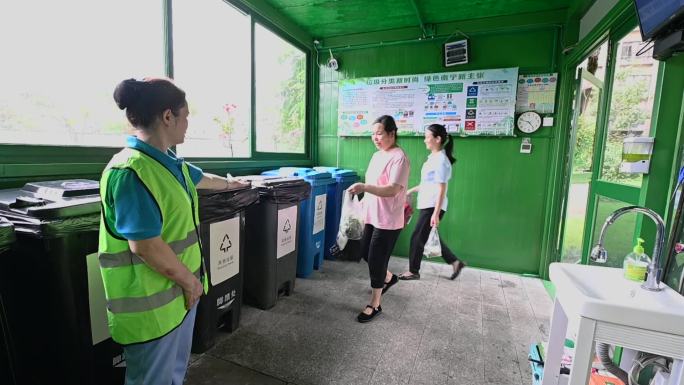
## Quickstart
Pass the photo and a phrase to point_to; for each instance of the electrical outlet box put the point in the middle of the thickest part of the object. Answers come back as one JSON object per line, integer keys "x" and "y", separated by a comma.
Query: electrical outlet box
{"x": 526, "y": 146}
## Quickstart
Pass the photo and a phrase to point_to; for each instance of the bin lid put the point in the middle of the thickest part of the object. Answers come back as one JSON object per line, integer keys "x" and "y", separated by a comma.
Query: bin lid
{"x": 215, "y": 205}
{"x": 309, "y": 173}
{"x": 52, "y": 199}
{"x": 6, "y": 233}
{"x": 283, "y": 189}
{"x": 279, "y": 182}
{"x": 234, "y": 190}
{"x": 338, "y": 172}
{"x": 255, "y": 179}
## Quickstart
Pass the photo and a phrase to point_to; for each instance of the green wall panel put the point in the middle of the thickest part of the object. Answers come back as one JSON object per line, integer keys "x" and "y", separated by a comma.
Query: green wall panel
{"x": 497, "y": 195}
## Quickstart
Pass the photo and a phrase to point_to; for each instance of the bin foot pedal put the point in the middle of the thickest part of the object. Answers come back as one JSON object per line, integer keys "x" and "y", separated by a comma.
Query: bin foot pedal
{"x": 286, "y": 289}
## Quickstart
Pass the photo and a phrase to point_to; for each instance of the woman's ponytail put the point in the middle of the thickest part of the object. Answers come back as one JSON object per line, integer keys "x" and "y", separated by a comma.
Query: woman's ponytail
{"x": 440, "y": 131}
{"x": 449, "y": 149}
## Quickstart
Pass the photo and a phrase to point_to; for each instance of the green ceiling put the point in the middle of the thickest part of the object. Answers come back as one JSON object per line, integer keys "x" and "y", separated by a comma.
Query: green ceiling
{"x": 326, "y": 18}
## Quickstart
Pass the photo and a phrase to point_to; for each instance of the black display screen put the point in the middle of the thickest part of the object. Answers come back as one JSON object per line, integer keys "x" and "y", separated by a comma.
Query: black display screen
{"x": 657, "y": 15}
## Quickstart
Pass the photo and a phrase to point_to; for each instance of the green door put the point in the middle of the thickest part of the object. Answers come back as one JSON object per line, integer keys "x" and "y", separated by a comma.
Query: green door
{"x": 614, "y": 97}
{"x": 586, "y": 108}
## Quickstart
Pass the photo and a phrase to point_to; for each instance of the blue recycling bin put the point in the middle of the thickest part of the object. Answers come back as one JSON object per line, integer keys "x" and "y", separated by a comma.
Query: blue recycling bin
{"x": 344, "y": 178}
{"x": 312, "y": 217}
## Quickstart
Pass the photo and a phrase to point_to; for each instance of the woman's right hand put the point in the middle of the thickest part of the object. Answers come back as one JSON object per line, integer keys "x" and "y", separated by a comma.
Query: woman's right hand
{"x": 192, "y": 292}
{"x": 357, "y": 188}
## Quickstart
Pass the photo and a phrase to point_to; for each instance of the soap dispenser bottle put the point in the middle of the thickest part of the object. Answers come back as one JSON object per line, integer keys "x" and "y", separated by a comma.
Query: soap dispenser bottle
{"x": 636, "y": 263}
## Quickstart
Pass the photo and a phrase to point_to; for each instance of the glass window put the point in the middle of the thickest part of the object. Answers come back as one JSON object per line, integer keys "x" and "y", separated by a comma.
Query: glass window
{"x": 212, "y": 63}
{"x": 631, "y": 105}
{"x": 617, "y": 239}
{"x": 59, "y": 68}
{"x": 596, "y": 62}
{"x": 280, "y": 94}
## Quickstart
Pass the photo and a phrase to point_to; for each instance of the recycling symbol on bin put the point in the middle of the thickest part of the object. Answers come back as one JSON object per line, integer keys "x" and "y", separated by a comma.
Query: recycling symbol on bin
{"x": 287, "y": 227}
{"x": 226, "y": 244}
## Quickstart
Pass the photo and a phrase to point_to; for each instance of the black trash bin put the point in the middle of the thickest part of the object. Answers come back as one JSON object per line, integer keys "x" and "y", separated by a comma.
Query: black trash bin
{"x": 55, "y": 305}
{"x": 222, "y": 222}
{"x": 271, "y": 242}
{"x": 6, "y": 343}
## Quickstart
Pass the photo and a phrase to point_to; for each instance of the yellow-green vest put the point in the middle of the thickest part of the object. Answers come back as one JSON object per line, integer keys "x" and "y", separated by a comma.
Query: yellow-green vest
{"x": 143, "y": 305}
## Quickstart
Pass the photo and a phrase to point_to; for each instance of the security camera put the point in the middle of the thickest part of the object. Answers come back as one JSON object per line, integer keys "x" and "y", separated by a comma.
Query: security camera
{"x": 332, "y": 62}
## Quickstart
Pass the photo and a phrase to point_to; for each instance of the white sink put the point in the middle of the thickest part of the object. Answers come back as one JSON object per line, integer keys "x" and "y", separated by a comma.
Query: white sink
{"x": 603, "y": 294}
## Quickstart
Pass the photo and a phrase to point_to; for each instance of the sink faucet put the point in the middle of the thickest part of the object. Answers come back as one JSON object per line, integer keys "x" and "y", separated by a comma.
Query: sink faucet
{"x": 600, "y": 255}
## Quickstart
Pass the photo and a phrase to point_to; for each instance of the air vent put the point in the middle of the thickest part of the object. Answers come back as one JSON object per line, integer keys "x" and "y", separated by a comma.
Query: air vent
{"x": 455, "y": 53}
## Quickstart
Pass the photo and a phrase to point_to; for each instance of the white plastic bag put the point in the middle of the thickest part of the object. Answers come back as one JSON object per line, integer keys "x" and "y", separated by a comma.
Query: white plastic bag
{"x": 351, "y": 220}
{"x": 433, "y": 248}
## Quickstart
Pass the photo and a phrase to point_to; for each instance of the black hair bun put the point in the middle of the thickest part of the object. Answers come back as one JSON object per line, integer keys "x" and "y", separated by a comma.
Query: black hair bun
{"x": 126, "y": 93}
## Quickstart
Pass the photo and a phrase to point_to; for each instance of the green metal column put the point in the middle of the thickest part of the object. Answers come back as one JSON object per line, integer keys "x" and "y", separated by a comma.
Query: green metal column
{"x": 668, "y": 129}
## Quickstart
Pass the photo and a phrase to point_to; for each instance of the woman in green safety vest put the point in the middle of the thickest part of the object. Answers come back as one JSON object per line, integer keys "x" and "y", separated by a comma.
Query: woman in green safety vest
{"x": 149, "y": 250}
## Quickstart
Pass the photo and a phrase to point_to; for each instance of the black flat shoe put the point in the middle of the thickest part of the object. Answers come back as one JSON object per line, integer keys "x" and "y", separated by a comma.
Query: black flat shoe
{"x": 460, "y": 267}
{"x": 389, "y": 284}
{"x": 363, "y": 317}
{"x": 409, "y": 277}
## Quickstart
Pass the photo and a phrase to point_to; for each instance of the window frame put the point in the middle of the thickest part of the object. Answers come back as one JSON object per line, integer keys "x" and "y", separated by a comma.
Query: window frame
{"x": 25, "y": 161}
{"x": 307, "y": 99}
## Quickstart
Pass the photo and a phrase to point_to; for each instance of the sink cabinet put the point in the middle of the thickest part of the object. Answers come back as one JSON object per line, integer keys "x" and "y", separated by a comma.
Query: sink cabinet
{"x": 605, "y": 314}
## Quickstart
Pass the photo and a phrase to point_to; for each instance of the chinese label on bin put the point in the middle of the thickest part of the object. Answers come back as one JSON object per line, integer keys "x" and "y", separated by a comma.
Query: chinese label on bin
{"x": 319, "y": 213}
{"x": 287, "y": 231}
{"x": 224, "y": 252}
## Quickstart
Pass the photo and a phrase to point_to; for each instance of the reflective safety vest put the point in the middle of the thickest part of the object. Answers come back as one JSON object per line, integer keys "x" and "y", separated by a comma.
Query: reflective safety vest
{"x": 143, "y": 305}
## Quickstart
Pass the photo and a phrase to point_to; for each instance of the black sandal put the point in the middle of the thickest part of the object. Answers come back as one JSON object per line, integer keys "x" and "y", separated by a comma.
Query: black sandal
{"x": 363, "y": 317}
{"x": 389, "y": 284}
{"x": 456, "y": 272}
{"x": 411, "y": 277}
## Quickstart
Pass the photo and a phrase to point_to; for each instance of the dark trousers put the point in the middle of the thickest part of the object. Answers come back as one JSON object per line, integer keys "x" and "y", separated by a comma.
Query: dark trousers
{"x": 420, "y": 236}
{"x": 376, "y": 248}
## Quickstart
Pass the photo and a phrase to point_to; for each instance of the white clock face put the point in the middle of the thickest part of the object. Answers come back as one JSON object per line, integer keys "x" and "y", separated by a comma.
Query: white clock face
{"x": 529, "y": 122}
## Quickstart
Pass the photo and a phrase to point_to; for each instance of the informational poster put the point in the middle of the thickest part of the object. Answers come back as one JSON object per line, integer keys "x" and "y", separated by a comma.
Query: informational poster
{"x": 480, "y": 102}
{"x": 536, "y": 93}
{"x": 319, "y": 213}
{"x": 287, "y": 231}
{"x": 224, "y": 253}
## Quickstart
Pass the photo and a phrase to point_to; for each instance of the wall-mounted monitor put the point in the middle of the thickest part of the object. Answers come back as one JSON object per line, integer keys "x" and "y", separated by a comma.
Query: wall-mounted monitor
{"x": 656, "y": 16}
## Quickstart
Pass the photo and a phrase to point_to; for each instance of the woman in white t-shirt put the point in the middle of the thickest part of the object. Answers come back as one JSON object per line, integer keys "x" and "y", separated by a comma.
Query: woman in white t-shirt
{"x": 432, "y": 199}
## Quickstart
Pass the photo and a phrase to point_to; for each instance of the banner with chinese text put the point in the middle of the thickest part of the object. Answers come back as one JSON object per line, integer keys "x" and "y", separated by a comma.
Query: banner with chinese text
{"x": 479, "y": 102}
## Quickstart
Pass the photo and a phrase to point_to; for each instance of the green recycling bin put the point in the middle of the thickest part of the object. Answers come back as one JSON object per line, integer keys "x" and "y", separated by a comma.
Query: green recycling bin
{"x": 52, "y": 288}
{"x": 7, "y": 370}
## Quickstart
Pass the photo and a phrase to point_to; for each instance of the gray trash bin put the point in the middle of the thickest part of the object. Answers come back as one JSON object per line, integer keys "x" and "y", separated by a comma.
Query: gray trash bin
{"x": 271, "y": 245}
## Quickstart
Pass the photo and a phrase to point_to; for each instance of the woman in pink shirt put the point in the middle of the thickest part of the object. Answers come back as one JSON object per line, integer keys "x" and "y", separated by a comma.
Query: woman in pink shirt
{"x": 385, "y": 195}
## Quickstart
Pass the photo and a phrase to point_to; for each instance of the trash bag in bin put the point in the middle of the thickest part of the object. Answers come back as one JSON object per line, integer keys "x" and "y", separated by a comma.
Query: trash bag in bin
{"x": 222, "y": 239}
{"x": 56, "y": 301}
{"x": 271, "y": 247}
